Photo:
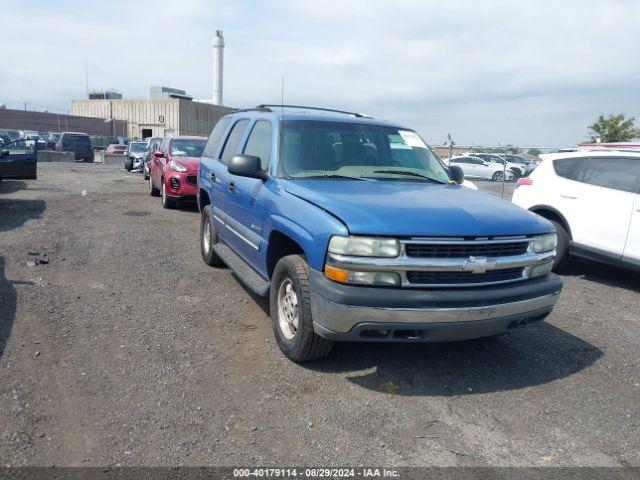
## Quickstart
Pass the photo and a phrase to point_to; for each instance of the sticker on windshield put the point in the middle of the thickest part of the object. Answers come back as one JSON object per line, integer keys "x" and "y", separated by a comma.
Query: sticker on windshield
{"x": 412, "y": 138}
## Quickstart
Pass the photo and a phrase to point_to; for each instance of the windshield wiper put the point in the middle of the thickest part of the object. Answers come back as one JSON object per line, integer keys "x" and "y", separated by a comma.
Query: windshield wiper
{"x": 408, "y": 172}
{"x": 332, "y": 176}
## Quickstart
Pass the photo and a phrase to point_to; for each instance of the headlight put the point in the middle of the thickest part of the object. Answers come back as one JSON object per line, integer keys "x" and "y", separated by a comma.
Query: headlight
{"x": 177, "y": 167}
{"x": 545, "y": 243}
{"x": 364, "y": 246}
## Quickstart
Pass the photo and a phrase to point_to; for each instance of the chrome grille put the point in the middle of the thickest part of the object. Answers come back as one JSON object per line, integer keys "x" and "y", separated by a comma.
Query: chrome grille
{"x": 465, "y": 250}
{"x": 455, "y": 278}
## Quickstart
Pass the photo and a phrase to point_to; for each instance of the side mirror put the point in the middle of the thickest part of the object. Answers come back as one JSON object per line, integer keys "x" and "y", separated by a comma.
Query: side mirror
{"x": 456, "y": 174}
{"x": 247, "y": 166}
{"x": 159, "y": 154}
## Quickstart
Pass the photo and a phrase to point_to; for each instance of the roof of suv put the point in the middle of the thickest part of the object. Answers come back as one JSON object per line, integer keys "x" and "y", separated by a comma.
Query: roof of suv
{"x": 602, "y": 152}
{"x": 292, "y": 112}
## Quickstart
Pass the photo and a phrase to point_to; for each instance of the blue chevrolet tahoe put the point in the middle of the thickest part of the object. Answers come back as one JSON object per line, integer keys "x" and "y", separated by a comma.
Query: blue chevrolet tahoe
{"x": 357, "y": 231}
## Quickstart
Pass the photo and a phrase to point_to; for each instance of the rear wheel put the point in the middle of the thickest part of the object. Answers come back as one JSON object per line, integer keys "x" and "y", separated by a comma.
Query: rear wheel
{"x": 208, "y": 238}
{"x": 167, "y": 202}
{"x": 498, "y": 177}
{"x": 290, "y": 305}
{"x": 153, "y": 191}
{"x": 562, "y": 249}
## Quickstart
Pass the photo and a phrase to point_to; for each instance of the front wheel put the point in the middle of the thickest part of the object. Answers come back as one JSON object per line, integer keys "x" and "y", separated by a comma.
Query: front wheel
{"x": 208, "y": 238}
{"x": 290, "y": 308}
{"x": 167, "y": 202}
{"x": 498, "y": 177}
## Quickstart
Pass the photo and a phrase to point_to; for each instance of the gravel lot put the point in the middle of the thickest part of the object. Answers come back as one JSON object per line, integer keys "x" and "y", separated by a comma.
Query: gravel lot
{"x": 125, "y": 349}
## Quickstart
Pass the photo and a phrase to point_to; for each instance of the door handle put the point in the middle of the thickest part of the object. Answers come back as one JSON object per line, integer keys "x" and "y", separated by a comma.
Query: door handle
{"x": 232, "y": 186}
{"x": 569, "y": 197}
{"x": 213, "y": 177}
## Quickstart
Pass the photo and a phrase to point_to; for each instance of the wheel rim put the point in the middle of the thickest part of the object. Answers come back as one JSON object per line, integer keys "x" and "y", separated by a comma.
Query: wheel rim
{"x": 288, "y": 309}
{"x": 206, "y": 236}
{"x": 498, "y": 176}
{"x": 150, "y": 184}
{"x": 164, "y": 193}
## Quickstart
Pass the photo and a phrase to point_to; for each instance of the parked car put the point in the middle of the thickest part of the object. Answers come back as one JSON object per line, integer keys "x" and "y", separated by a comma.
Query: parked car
{"x": 591, "y": 197}
{"x": 529, "y": 165}
{"x": 517, "y": 169}
{"x": 116, "y": 149}
{"x": 18, "y": 160}
{"x": 9, "y": 135}
{"x": 154, "y": 145}
{"x": 78, "y": 143}
{"x": 357, "y": 231}
{"x": 52, "y": 139}
{"x": 174, "y": 169}
{"x": 136, "y": 151}
{"x": 33, "y": 135}
{"x": 475, "y": 167}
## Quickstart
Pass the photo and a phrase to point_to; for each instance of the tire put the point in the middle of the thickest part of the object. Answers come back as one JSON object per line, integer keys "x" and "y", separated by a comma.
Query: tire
{"x": 208, "y": 238}
{"x": 498, "y": 177}
{"x": 153, "y": 191}
{"x": 562, "y": 250}
{"x": 290, "y": 296}
{"x": 167, "y": 202}
{"x": 128, "y": 165}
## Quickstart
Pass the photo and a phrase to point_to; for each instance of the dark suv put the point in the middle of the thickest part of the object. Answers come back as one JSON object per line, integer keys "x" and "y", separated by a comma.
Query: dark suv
{"x": 78, "y": 143}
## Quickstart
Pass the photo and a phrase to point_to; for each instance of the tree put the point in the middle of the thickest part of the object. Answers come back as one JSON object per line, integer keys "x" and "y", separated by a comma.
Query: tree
{"x": 534, "y": 151}
{"x": 615, "y": 128}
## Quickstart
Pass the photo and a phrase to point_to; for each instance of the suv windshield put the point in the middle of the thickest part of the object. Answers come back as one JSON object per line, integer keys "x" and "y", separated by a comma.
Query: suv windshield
{"x": 339, "y": 149}
{"x": 187, "y": 148}
{"x": 138, "y": 147}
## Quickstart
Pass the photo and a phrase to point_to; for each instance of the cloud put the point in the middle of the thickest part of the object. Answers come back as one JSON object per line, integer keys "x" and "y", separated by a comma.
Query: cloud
{"x": 488, "y": 72}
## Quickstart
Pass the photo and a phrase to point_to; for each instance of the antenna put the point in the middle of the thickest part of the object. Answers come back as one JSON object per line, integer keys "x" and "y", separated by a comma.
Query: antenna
{"x": 282, "y": 95}
{"x": 86, "y": 75}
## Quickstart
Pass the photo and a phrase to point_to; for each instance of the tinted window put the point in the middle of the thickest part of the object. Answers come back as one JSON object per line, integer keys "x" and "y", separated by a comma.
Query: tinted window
{"x": 216, "y": 137}
{"x": 233, "y": 140}
{"x": 259, "y": 142}
{"x": 76, "y": 139}
{"x": 617, "y": 173}
{"x": 567, "y": 167}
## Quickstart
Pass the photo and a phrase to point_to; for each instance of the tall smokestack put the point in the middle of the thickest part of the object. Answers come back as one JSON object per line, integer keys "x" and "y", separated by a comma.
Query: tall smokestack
{"x": 218, "y": 53}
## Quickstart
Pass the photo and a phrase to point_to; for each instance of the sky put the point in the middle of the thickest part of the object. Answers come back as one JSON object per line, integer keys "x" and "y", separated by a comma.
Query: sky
{"x": 489, "y": 72}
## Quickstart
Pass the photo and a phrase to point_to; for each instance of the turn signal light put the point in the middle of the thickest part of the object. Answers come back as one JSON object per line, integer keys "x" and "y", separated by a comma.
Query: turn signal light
{"x": 336, "y": 274}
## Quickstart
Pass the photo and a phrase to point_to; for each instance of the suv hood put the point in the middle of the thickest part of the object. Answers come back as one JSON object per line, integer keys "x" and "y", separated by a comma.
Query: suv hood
{"x": 411, "y": 209}
{"x": 192, "y": 163}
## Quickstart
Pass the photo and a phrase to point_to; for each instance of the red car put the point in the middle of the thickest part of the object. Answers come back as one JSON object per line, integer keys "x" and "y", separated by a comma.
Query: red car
{"x": 173, "y": 172}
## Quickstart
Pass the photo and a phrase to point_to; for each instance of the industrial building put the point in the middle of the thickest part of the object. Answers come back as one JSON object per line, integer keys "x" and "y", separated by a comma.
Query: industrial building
{"x": 169, "y": 111}
{"x": 56, "y": 122}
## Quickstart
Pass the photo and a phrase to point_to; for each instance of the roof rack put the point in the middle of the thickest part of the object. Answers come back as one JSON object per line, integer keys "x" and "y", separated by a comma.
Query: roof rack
{"x": 259, "y": 108}
{"x": 268, "y": 107}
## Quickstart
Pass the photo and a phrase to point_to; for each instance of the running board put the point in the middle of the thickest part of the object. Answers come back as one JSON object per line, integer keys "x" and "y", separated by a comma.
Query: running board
{"x": 252, "y": 279}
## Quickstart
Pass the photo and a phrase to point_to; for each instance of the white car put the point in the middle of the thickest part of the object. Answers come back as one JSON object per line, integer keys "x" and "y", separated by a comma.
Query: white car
{"x": 517, "y": 169}
{"x": 593, "y": 199}
{"x": 474, "y": 167}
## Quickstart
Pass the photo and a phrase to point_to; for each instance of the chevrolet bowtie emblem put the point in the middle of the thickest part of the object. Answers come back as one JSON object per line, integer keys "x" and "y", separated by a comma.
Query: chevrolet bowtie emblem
{"x": 478, "y": 265}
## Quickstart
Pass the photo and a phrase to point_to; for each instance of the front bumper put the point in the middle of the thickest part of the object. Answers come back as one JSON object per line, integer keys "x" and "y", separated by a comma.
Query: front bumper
{"x": 186, "y": 189}
{"x": 343, "y": 312}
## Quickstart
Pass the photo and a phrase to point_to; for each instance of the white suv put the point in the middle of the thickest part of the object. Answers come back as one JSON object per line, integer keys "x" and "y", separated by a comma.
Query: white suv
{"x": 592, "y": 198}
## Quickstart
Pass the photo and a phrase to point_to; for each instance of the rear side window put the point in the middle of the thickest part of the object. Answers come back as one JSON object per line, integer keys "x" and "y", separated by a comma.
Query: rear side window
{"x": 617, "y": 173}
{"x": 76, "y": 139}
{"x": 216, "y": 137}
{"x": 233, "y": 140}
{"x": 259, "y": 142}
{"x": 567, "y": 167}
